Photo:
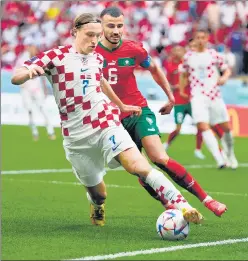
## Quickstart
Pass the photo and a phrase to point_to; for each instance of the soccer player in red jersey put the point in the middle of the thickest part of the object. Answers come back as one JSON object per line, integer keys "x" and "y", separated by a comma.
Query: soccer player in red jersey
{"x": 120, "y": 60}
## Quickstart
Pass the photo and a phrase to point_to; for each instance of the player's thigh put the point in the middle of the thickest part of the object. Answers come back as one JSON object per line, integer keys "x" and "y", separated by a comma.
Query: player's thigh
{"x": 113, "y": 141}
{"x": 87, "y": 163}
{"x": 134, "y": 162}
{"x": 27, "y": 99}
{"x": 154, "y": 149}
{"x": 39, "y": 98}
{"x": 146, "y": 125}
{"x": 179, "y": 113}
{"x": 218, "y": 112}
{"x": 200, "y": 110}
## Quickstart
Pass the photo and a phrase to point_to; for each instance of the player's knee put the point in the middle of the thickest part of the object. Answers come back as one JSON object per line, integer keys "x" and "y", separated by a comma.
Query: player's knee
{"x": 159, "y": 159}
{"x": 99, "y": 198}
{"x": 139, "y": 166}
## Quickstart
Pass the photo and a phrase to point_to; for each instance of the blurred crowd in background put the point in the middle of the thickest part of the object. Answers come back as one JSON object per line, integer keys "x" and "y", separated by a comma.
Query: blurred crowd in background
{"x": 159, "y": 25}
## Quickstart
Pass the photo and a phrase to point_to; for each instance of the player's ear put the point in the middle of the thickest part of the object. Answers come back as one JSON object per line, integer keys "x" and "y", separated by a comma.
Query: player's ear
{"x": 74, "y": 32}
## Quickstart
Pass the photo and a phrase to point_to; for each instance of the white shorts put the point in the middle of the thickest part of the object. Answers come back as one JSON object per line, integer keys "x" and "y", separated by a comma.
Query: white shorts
{"x": 209, "y": 111}
{"x": 89, "y": 155}
{"x": 32, "y": 96}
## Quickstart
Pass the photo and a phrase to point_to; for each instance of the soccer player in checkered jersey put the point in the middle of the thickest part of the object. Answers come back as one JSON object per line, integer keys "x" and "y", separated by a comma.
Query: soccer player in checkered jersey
{"x": 92, "y": 131}
{"x": 120, "y": 60}
{"x": 33, "y": 93}
{"x": 201, "y": 68}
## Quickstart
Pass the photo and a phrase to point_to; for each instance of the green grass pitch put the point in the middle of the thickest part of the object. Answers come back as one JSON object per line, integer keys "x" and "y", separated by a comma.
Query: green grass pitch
{"x": 46, "y": 216}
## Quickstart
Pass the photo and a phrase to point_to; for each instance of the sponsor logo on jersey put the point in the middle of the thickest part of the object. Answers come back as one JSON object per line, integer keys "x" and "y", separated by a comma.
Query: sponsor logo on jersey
{"x": 112, "y": 63}
{"x": 84, "y": 70}
{"x": 149, "y": 120}
{"x": 151, "y": 129}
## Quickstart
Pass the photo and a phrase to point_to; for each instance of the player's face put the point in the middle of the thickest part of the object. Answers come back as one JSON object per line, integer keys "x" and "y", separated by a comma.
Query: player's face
{"x": 178, "y": 52}
{"x": 113, "y": 28}
{"x": 201, "y": 39}
{"x": 192, "y": 46}
{"x": 88, "y": 36}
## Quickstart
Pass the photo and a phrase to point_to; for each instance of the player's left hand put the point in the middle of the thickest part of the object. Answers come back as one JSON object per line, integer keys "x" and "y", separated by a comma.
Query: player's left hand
{"x": 166, "y": 109}
{"x": 135, "y": 110}
{"x": 222, "y": 80}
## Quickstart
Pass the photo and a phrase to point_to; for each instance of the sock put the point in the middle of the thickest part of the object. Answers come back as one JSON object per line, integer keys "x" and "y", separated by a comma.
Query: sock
{"x": 213, "y": 146}
{"x": 166, "y": 190}
{"x": 199, "y": 140}
{"x": 91, "y": 200}
{"x": 184, "y": 179}
{"x": 152, "y": 192}
{"x": 218, "y": 130}
{"x": 227, "y": 143}
{"x": 172, "y": 136}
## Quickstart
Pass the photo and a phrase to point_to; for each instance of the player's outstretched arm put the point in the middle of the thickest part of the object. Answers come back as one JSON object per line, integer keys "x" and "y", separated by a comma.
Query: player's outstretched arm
{"x": 160, "y": 78}
{"x": 183, "y": 81}
{"x": 23, "y": 74}
{"x": 108, "y": 91}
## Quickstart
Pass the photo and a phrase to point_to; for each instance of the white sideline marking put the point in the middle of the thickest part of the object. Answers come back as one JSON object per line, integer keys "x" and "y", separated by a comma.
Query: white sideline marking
{"x": 164, "y": 249}
{"x": 41, "y": 171}
{"x": 57, "y": 182}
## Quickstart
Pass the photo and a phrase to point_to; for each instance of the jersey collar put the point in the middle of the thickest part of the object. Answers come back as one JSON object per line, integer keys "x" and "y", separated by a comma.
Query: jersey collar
{"x": 107, "y": 49}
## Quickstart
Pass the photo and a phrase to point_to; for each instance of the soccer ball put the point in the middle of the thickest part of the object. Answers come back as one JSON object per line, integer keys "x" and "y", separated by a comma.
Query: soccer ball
{"x": 172, "y": 226}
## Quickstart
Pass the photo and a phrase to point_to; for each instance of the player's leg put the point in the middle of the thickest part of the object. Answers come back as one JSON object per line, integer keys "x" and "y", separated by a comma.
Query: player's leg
{"x": 39, "y": 99}
{"x": 154, "y": 150}
{"x": 199, "y": 140}
{"x": 179, "y": 114}
{"x": 118, "y": 148}
{"x": 179, "y": 174}
{"x": 28, "y": 104}
{"x": 88, "y": 166}
{"x": 201, "y": 116}
{"x": 219, "y": 115}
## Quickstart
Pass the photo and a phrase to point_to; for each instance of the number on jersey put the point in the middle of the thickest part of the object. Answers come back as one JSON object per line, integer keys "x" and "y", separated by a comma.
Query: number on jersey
{"x": 112, "y": 76}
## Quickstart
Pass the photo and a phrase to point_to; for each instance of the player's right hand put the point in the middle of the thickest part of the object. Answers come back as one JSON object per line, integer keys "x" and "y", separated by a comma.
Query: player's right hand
{"x": 135, "y": 110}
{"x": 35, "y": 70}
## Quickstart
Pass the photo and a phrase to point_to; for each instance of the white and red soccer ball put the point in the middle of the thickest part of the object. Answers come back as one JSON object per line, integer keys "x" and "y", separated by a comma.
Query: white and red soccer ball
{"x": 171, "y": 225}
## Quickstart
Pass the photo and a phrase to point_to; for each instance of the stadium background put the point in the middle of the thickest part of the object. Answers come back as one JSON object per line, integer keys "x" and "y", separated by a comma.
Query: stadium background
{"x": 159, "y": 25}
{"x": 45, "y": 214}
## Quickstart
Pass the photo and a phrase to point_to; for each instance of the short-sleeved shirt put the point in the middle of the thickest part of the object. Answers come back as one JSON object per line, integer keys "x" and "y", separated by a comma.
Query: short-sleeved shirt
{"x": 118, "y": 69}
{"x": 75, "y": 79}
{"x": 203, "y": 72}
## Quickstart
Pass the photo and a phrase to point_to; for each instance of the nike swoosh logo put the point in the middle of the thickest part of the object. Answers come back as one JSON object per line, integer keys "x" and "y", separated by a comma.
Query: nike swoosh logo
{"x": 114, "y": 148}
{"x": 84, "y": 70}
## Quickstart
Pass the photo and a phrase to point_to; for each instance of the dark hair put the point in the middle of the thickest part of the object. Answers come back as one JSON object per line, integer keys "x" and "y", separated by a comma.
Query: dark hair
{"x": 82, "y": 19}
{"x": 112, "y": 11}
{"x": 191, "y": 40}
{"x": 202, "y": 30}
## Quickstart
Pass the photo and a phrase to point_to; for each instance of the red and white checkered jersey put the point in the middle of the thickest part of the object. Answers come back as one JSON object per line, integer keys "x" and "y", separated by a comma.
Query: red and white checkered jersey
{"x": 75, "y": 79}
{"x": 203, "y": 72}
{"x": 35, "y": 85}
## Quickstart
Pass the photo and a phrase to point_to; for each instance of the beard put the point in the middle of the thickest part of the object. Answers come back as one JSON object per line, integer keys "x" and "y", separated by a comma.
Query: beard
{"x": 113, "y": 42}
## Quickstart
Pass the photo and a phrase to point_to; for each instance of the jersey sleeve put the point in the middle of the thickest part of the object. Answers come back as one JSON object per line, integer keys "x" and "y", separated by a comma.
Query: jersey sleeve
{"x": 142, "y": 56}
{"x": 221, "y": 64}
{"x": 44, "y": 59}
{"x": 184, "y": 67}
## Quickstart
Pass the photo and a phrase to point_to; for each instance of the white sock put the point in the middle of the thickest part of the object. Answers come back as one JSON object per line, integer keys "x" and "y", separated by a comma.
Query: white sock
{"x": 212, "y": 145}
{"x": 91, "y": 200}
{"x": 227, "y": 143}
{"x": 166, "y": 190}
{"x": 207, "y": 198}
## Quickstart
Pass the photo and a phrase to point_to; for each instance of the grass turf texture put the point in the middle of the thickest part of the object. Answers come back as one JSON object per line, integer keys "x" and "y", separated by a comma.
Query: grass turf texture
{"x": 43, "y": 220}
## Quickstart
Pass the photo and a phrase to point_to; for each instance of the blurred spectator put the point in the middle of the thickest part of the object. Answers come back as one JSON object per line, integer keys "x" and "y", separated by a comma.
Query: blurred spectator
{"x": 245, "y": 50}
{"x": 157, "y": 24}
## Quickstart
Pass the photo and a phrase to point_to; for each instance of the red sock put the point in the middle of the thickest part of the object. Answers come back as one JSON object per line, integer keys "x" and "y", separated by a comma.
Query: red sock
{"x": 199, "y": 140}
{"x": 183, "y": 178}
{"x": 172, "y": 136}
{"x": 218, "y": 130}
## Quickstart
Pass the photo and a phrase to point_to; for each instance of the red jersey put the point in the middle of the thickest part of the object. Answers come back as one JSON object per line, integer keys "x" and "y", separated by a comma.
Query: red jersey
{"x": 173, "y": 78}
{"x": 118, "y": 70}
